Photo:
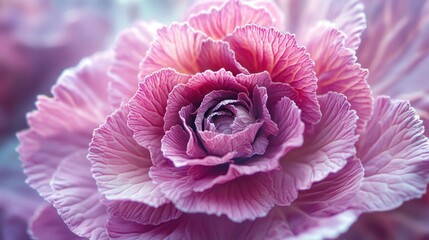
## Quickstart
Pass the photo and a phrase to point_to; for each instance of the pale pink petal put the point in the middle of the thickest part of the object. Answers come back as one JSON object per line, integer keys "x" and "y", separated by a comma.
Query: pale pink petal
{"x": 395, "y": 47}
{"x": 336, "y": 69}
{"x": 420, "y": 101}
{"x": 148, "y": 107}
{"x": 245, "y": 197}
{"x": 142, "y": 213}
{"x": 63, "y": 124}
{"x": 259, "y": 49}
{"x": 120, "y": 165}
{"x": 215, "y": 55}
{"x": 130, "y": 49}
{"x": 348, "y": 16}
{"x": 217, "y": 23}
{"x": 46, "y": 224}
{"x": 326, "y": 210}
{"x": 395, "y": 155}
{"x": 177, "y": 47}
{"x": 76, "y": 197}
{"x": 334, "y": 194}
{"x": 204, "y": 6}
{"x": 327, "y": 146}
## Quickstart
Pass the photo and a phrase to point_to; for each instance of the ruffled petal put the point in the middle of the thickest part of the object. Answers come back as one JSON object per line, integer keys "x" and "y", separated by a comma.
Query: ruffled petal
{"x": 395, "y": 155}
{"x": 77, "y": 199}
{"x": 326, "y": 148}
{"x": 259, "y": 49}
{"x": 395, "y": 47}
{"x": 348, "y": 16}
{"x": 142, "y": 213}
{"x": 289, "y": 136}
{"x": 204, "y": 6}
{"x": 130, "y": 49}
{"x": 120, "y": 165}
{"x": 420, "y": 101}
{"x": 336, "y": 69}
{"x": 63, "y": 124}
{"x": 219, "y": 22}
{"x": 148, "y": 107}
{"x": 194, "y": 91}
{"x": 177, "y": 47}
{"x": 215, "y": 55}
{"x": 46, "y": 224}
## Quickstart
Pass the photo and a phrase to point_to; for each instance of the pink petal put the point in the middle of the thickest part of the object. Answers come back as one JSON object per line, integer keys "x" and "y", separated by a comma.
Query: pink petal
{"x": 289, "y": 136}
{"x": 46, "y": 224}
{"x": 336, "y": 69}
{"x": 348, "y": 16}
{"x": 260, "y": 49}
{"x": 395, "y": 155}
{"x": 269, "y": 6}
{"x": 120, "y": 165}
{"x": 334, "y": 194}
{"x": 142, "y": 213}
{"x": 63, "y": 124}
{"x": 395, "y": 47}
{"x": 420, "y": 101}
{"x": 174, "y": 146}
{"x": 232, "y": 14}
{"x": 325, "y": 210}
{"x": 194, "y": 91}
{"x": 177, "y": 47}
{"x": 246, "y": 197}
{"x": 148, "y": 107}
{"x": 326, "y": 148}
{"x": 130, "y": 49}
{"x": 77, "y": 199}
{"x": 215, "y": 55}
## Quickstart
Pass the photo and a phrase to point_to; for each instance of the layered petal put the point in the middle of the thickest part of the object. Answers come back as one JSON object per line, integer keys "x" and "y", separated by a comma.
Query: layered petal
{"x": 326, "y": 148}
{"x": 260, "y": 49}
{"x": 46, "y": 224}
{"x": 319, "y": 213}
{"x": 76, "y": 197}
{"x": 63, "y": 124}
{"x": 420, "y": 101}
{"x": 177, "y": 47}
{"x": 395, "y": 46}
{"x": 148, "y": 107}
{"x": 348, "y": 16}
{"x": 120, "y": 165}
{"x": 336, "y": 69}
{"x": 395, "y": 155}
{"x": 188, "y": 51}
{"x": 219, "y": 22}
{"x": 130, "y": 49}
{"x": 194, "y": 91}
{"x": 245, "y": 197}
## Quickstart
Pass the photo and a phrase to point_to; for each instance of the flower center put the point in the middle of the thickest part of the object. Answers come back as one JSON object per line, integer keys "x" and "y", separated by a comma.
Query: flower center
{"x": 228, "y": 117}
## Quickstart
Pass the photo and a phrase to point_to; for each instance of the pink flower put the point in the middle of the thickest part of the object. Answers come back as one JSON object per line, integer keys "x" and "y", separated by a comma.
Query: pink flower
{"x": 224, "y": 126}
